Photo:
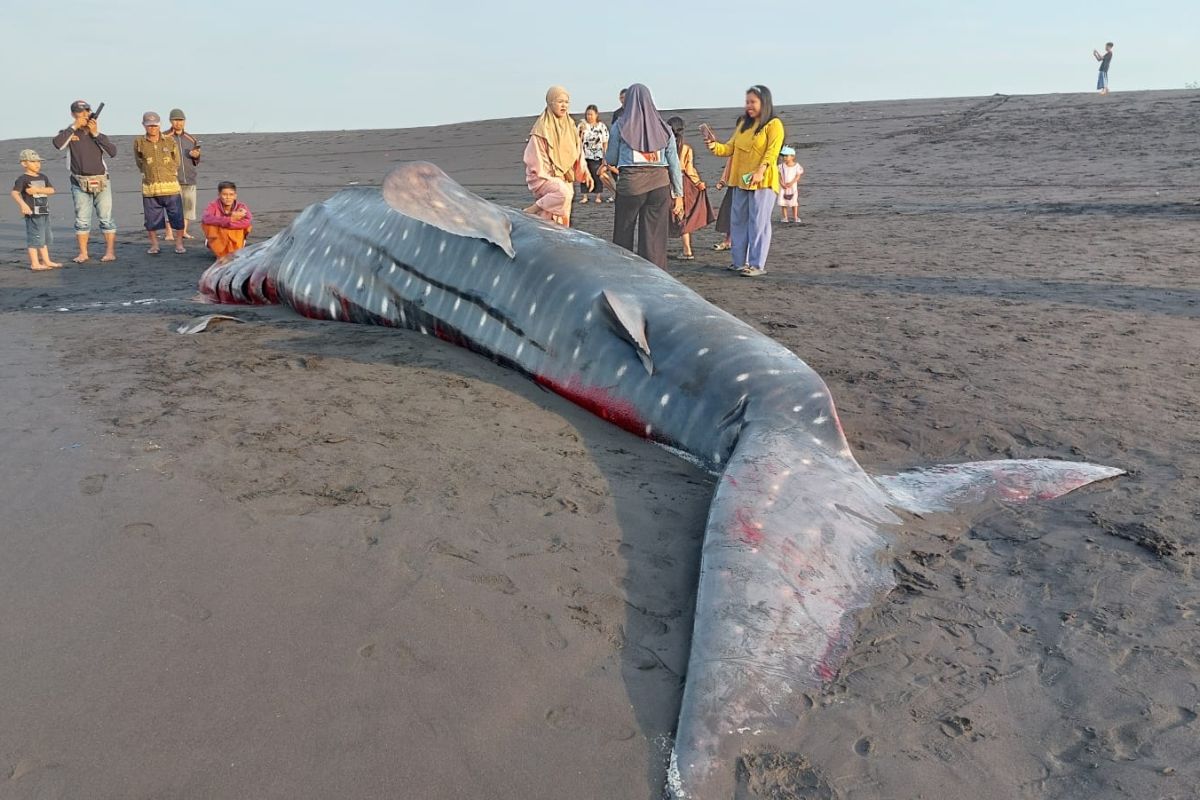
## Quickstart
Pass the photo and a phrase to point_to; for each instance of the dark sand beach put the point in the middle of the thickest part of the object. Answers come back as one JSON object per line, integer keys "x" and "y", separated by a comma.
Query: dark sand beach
{"x": 299, "y": 559}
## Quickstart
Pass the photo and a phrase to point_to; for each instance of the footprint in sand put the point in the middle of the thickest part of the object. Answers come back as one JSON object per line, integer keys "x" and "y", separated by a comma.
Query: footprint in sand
{"x": 92, "y": 484}
{"x": 551, "y": 636}
{"x": 183, "y": 606}
{"x": 143, "y": 531}
{"x": 500, "y": 583}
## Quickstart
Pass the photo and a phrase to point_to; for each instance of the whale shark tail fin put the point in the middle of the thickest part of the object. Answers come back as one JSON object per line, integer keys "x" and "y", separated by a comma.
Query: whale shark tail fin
{"x": 946, "y": 486}
{"x": 794, "y": 548}
{"x": 420, "y": 190}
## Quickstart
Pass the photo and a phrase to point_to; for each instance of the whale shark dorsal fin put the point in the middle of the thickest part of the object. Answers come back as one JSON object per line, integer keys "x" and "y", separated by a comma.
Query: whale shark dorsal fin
{"x": 423, "y": 192}
{"x": 629, "y": 321}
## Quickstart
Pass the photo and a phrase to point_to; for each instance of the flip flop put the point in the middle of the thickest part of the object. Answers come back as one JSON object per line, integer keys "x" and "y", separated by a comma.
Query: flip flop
{"x": 80, "y": 259}
{"x": 153, "y": 251}
{"x": 107, "y": 259}
{"x": 180, "y": 250}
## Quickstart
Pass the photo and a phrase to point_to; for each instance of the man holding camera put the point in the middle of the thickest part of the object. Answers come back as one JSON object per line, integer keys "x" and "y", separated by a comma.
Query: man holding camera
{"x": 189, "y": 158}
{"x": 90, "y": 189}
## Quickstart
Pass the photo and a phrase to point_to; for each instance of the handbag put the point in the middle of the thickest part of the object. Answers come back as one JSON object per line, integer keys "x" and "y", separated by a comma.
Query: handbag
{"x": 789, "y": 195}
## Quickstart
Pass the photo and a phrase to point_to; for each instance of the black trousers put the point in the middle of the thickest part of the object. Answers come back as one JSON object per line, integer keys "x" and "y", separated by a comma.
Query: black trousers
{"x": 649, "y": 215}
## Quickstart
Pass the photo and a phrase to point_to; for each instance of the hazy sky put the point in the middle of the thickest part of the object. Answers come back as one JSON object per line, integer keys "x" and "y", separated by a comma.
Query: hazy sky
{"x": 269, "y": 65}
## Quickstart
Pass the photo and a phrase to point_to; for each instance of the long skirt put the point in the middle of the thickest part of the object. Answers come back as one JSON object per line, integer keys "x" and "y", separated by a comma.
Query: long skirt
{"x": 697, "y": 211}
{"x": 724, "y": 213}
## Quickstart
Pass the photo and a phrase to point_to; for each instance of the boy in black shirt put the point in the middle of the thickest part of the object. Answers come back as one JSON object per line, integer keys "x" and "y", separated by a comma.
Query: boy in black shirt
{"x": 32, "y": 194}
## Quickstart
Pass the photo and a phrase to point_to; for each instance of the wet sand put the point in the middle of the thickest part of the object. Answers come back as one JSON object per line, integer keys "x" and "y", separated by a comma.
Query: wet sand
{"x": 300, "y": 559}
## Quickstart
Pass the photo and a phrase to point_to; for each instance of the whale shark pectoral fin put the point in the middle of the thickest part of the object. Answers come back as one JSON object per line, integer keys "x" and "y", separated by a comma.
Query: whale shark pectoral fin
{"x": 423, "y": 192}
{"x": 943, "y": 487}
{"x": 630, "y": 322}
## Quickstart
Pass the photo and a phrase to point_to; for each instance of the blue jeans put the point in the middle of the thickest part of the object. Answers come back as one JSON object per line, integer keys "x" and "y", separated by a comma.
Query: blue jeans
{"x": 750, "y": 226}
{"x": 86, "y": 203}
{"x": 37, "y": 231}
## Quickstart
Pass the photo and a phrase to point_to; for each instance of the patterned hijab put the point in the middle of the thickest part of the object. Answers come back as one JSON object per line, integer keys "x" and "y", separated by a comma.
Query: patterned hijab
{"x": 561, "y": 135}
{"x": 641, "y": 126}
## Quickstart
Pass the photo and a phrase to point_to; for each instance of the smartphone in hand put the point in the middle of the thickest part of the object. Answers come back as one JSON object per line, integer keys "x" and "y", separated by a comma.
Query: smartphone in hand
{"x": 707, "y": 131}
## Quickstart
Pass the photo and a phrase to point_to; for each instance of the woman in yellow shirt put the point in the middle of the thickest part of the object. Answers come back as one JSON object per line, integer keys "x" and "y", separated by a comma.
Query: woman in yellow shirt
{"x": 753, "y": 154}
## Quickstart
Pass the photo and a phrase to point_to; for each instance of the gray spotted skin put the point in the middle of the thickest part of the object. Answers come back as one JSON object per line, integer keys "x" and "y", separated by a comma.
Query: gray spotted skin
{"x": 796, "y": 527}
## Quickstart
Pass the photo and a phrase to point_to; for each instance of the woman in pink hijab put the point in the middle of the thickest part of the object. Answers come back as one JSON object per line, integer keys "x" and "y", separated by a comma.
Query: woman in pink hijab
{"x": 554, "y": 160}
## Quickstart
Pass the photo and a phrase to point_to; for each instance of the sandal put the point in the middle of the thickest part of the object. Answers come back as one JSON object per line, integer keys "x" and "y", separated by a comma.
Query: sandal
{"x": 687, "y": 257}
{"x": 723, "y": 246}
{"x": 752, "y": 272}
{"x": 153, "y": 251}
{"x": 80, "y": 259}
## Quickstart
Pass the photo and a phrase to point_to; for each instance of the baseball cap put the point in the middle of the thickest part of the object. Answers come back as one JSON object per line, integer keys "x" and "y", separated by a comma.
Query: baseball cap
{"x": 151, "y": 118}
{"x": 177, "y": 113}
{"x": 80, "y": 105}
{"x": 787, "y": 151}
{"x": 29, "y": 155}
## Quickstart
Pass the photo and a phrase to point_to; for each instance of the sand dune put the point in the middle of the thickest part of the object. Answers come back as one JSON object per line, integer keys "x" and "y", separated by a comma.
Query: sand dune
{"x": 309, "y": 560}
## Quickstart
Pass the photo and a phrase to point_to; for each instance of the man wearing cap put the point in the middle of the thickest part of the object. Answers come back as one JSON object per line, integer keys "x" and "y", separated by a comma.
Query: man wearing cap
{"x": 189, "y": 157}
{"x": 157, "y": 158}
{"x": 90, "y": 190}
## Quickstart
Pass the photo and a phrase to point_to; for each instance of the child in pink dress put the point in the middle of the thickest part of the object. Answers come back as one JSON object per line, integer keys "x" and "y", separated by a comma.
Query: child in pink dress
{"x": 790, "y": 173}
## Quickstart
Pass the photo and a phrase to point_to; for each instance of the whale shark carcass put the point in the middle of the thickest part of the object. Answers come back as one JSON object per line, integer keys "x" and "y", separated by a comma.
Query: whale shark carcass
{"x": 793, "y": 543}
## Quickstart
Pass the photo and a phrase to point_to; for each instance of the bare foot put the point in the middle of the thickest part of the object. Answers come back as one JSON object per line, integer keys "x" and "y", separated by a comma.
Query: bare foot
{"x": 80, "y": 259}
{"x": 39, "y": 267}
{"x": 53, "y": 264}
{"x": 170, "y": 237}
{"x": 107, "y": 258}
{"x": 188, "y": 236}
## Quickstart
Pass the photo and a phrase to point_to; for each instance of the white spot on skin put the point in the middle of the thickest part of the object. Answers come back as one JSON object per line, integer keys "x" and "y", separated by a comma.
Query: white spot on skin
{"x": 474, "y": 261}
{"x": 571, "y": 297}
{"x": 482, "y": 319}
{"x": 391, "y": 269}
{"x": 821, "y": 420}
{"x": 532, "y": 309}
{"x": 816, "y": 440}
{"x": 442, "y": 247}
{"x": 743, "y": 338}
{"x": 743, "y": 377}
{"x": 428, "y": 289}
{"x": 797, "y": 409}
{"x": 773, "y": 372}
{"x": 666, "y": 398}
{"x": 308, "y": 289}
{"x": 575, "y": 354}
{"x": 417, "y": 252}
{"x": 404, "y": 235}
{"x": 457, "y": 303}
{"x": 495, "y": 281}
{"x": 520, "y": 349}
{"x": 407, "y": 281}
{"x": 550, "y": 277}
{"x": 383, "y": 306}
{"x": 621, "y": 371}
{"x": 649, "y": 429}
{"x": 817, "y": 395}
{"x": 587, "y": 317}
{"x": 703, "y": 351}
{"x": 359, "y": 285}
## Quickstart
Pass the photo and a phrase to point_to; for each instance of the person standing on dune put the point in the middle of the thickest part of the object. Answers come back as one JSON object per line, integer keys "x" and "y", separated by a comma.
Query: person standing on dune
{"x": 1105, "y": 59}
